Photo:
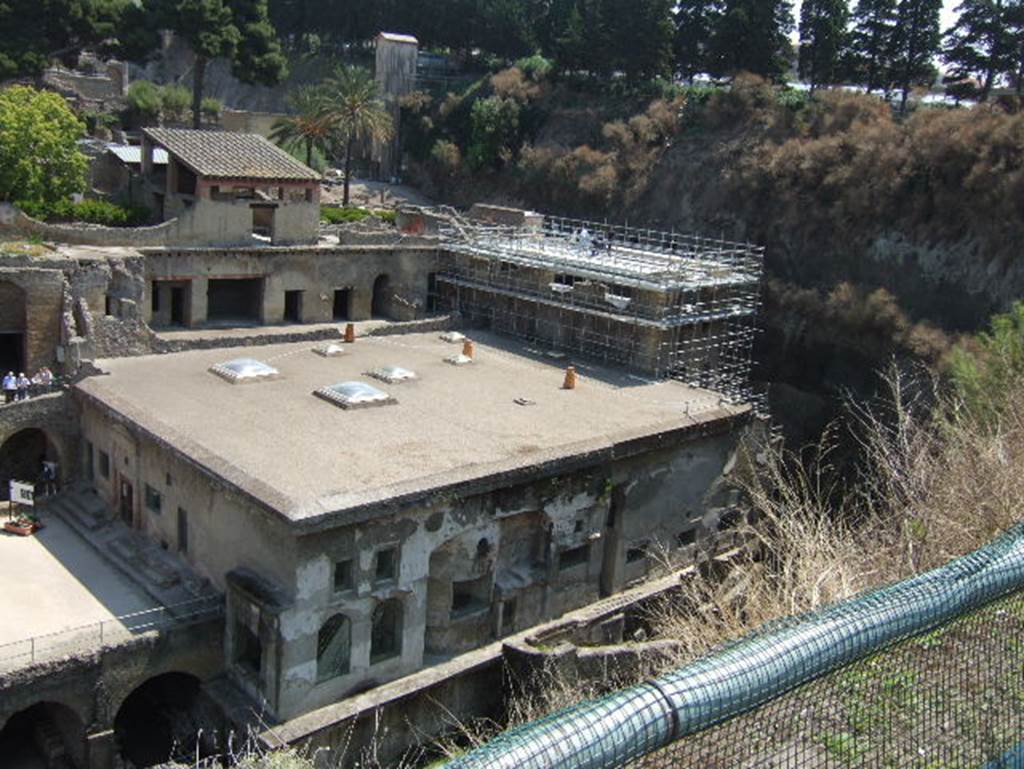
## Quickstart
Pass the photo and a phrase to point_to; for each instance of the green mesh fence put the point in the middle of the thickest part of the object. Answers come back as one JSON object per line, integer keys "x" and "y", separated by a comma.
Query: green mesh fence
{"x": 927, "y": 673}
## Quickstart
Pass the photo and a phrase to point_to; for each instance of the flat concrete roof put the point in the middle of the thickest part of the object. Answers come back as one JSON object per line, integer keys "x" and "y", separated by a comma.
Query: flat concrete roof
{"x": 58, "y": 589}
{"x": 307, "y": 458}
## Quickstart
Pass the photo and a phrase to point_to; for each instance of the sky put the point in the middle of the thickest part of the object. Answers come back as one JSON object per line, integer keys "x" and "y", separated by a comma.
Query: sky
{"x": 948, "y": 16}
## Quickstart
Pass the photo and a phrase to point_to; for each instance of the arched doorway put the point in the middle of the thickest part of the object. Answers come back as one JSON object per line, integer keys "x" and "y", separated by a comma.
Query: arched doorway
{"x": 46, "y": 734}
{"x": 22, "y": 456}
{"x": 12, "y": 328}
{"x": 165, "y": 718}
{"x": 381, "y": 303}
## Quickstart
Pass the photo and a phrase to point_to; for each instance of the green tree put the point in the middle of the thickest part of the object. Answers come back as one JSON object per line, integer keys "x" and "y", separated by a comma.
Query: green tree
{"x": 694, "y": 20}
{"x": 355, "y": 113}
{"x": 40, "y": 162}
{"x": 238, "y": 30}
{"x": 495, "y": 130}
{"x": 308, "y": 126}
{"x": 822, "y": 33}
{"x": 174, "y": 103}
{"x": 980, "y": 44}
{"x": 144, "y": 103}
{"x": 752, "y": 36}
{"x": 868, "y": 55}
{"x": 915, "y": 42}
{"x": 32, "y": 32}
{"x": 984, "y": 369}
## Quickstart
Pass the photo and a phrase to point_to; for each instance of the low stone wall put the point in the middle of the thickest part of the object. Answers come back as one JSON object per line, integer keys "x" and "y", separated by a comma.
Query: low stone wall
{"x": 12, "y": 219}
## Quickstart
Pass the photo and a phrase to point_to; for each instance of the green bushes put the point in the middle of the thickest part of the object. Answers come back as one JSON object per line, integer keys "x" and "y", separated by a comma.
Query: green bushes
{"x": 143, "y": 103}
{"x": 338, "y": 215}
{"x": 987, "y": 367}
{"x": 99, "y": 212}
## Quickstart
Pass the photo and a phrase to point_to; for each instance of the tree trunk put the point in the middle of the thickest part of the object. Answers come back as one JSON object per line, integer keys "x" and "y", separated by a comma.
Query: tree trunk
{"x": 197, "y": 91}
{"x": 348, "y": 169}
{"x": 309, "y": 152}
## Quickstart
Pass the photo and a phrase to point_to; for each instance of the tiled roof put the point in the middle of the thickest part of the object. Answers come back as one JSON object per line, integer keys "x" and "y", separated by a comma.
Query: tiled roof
{"x": 226, "y": 155}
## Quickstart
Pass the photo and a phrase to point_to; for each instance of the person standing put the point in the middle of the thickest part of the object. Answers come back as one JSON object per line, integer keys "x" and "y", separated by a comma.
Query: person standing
{"x": 10, "y": 385}
{"x": 23, "y": 384}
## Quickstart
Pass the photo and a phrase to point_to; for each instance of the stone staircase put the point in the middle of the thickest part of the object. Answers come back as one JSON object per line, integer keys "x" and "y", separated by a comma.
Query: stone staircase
{"x": 164, "y": 576}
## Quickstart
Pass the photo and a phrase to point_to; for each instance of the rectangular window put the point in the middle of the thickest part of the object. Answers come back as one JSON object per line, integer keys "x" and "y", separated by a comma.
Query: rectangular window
{"x": 344, "y": 575}
{"x": 153, "y": 499}
{"x": 168, "y": 480}
{"x": 386, "y": 567}
{"x": 248, "y": 649}
{"x": 564, "y": 279}
{"x": 573, "y": 556}
{"x": 155, "y": 298}
{"x": 471, "y": 596}
{"x": 105, "y": 465}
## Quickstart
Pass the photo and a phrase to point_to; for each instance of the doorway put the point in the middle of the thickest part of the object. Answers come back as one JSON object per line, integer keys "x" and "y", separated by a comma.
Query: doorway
{"x": 237, "y": 300}
{"x": 177, "y": 306}
{"x": 381, "y": 297}
{"x": 342, "y": 300}
{"x": 12, "y": 355}
{"x": 126, "y": 504}
{"x": 293, "y": 306}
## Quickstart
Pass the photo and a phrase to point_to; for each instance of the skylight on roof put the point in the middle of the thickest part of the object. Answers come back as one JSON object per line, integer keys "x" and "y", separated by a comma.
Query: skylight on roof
{"x": 393, "y": 374}
{"x": 245, "y": 371}
{"x": 453, "y": 337}
{"x": 354, "y": 395}
{"x": 330, "y": 350}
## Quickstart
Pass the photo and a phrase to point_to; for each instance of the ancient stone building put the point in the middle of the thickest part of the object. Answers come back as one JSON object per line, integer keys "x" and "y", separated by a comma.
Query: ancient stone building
{"x": 371, "y": 509}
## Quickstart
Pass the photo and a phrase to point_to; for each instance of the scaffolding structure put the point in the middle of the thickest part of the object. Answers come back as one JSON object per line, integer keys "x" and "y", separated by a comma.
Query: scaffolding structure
{"x": 664, "y": 304}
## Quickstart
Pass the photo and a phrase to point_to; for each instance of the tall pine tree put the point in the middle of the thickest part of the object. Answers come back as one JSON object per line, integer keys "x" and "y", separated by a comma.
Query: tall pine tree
{"x": 980, "y": 44}
{"x": 868, "y": 54}
{"x": 822, "y": 34}
{"x": 915, "y": 42}
{"x": 752, "y": 36}
{"x": 694, "y": 20}
{"x": 641, "y": 37}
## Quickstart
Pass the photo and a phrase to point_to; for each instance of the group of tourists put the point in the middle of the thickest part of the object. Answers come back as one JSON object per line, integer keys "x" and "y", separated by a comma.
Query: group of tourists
{"x": 21, "y": 388}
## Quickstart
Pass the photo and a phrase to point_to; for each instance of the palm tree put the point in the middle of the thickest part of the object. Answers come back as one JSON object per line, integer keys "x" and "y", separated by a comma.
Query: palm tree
{"x": 356, "y": 112}
{"x": 309, "y": 126}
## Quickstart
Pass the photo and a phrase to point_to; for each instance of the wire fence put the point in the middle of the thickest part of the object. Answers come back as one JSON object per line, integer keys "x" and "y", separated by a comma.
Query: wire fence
{"x": 924, "y": 674}
{"x": 111, "y": 632}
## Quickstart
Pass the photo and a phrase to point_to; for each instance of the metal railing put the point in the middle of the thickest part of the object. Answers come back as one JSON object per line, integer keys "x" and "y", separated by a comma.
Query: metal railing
{"x": 115, "y": 631}
{"x": 925, "y": 674}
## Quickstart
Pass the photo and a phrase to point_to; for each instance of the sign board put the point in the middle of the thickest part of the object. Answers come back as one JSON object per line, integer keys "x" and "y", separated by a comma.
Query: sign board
{"x": 22, "y": 493}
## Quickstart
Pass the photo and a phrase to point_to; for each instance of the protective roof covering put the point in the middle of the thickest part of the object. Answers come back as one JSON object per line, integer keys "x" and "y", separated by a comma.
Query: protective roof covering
{"x": 329, "y": 350}
{"x": 354, "y": 395}
{"x": 227, "y": 155}
{"x": 245, "y": 370}
{"x": 453, "y": 337}
{"x": 129, "y": 153}
{"x": 394, "y": 37}
{"x": 393, "y": 374}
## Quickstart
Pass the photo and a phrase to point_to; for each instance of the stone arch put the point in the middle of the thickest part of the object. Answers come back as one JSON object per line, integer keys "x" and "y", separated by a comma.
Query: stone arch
{"x": 334, "y": 648}
{"x": 22, "y": 453}
{"x": 46, "y": 733}
{"x": 13, "y": 322}
{"x": 380, "y": 304}
{"x": 386, "y": 630}
{"x": 163, "y": 718}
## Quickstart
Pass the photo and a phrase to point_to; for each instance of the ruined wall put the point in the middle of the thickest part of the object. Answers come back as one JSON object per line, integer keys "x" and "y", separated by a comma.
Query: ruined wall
{"x": 316, "y": 272}
{"x": 476, "y": 568}
{"x": 41, "y": 291}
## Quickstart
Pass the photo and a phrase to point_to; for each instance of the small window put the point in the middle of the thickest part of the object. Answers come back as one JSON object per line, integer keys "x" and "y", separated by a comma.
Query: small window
{"x": 168, "y": 480}
{"x": 564, "y": 279}
{"x": 386, "y": 631}
{"x": 386, "y": 567}
{"x": 108, "y": 305}
{"x": 344, "y": 575}
{"x": 105, "y": 465}
{"x": 155, "y": 298}
{"x": 153, "y": 500}
{"x": 182, "y": 531}
{"x": 471, "y": 596}
{"x": 574, "y": 556}
{"x": 508, "y": 616}
{"x": 636, "y": 554}
{"x": 687, "y": 537}
{"x": 578, "y": 527}
{"x": 507, "y": 268}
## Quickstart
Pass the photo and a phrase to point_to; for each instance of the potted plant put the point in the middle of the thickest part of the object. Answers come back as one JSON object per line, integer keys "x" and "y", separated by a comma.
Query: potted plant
{"x": 23, "y": 525}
